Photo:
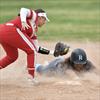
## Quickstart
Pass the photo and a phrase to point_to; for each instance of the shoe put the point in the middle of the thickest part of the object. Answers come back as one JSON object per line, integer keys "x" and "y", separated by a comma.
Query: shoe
{"x": 0, "y": 67}
{"x": 32, "y": 81}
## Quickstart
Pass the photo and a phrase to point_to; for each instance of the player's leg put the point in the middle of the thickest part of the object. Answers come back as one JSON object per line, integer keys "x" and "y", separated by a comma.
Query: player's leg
{"x": 11, "y": 55}
{"x": 30, "y": 62}
{"x": 25, "y": 43}
{"x": 15, "y": 38}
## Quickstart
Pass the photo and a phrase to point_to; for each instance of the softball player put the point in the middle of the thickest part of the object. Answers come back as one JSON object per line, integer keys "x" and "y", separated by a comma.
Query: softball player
{"x": 20, "y": 33}
{"x": 77, "y": 62}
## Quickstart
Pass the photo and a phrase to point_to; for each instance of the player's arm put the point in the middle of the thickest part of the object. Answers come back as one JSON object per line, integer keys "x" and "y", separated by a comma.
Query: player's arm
{"x": 41, "y": 49}
{"x": 60, "y": 49}
{"x": 24, "y": 14}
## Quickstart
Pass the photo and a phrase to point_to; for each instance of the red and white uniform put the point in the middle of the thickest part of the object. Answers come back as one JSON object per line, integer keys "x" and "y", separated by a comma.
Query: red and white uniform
{"x": 12, "y": 37}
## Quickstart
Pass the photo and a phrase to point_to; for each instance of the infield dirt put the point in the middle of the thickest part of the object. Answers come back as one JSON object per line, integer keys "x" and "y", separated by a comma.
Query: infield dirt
{"x": 14, "y": 86}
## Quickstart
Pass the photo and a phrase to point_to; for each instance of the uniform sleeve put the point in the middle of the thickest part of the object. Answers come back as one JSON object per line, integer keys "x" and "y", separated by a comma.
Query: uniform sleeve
{"x": 25, "y": 13}
{"x": 30, "y": 15}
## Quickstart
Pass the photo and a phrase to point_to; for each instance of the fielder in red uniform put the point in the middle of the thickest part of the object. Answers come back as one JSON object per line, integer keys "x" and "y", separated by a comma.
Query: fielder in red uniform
{"x": 20, "y": 33}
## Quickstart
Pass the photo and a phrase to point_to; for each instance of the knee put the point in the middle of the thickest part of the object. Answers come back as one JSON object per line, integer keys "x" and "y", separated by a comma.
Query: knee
{"x": 30, "y": 52}
{"x": 13, "y": 58}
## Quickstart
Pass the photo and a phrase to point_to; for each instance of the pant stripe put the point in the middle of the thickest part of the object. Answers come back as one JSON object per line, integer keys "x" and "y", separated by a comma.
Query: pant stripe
{"x": 31, "y": 68}
{"x": 26, "y": 40}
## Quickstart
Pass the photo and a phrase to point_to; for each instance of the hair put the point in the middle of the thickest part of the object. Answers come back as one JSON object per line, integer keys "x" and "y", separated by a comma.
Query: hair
{"x": 39, "y": 11}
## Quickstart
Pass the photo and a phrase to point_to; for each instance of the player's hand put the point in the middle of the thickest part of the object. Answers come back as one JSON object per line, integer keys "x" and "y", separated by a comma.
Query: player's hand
{"x": 25, "y": 26}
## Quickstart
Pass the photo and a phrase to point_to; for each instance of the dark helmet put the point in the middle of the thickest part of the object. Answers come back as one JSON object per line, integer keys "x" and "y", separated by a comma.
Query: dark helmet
{"x": 78, "y": 56}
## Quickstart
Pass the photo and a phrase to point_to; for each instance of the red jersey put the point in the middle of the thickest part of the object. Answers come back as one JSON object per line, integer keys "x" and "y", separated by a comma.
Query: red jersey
{"x": 31, "y": 21}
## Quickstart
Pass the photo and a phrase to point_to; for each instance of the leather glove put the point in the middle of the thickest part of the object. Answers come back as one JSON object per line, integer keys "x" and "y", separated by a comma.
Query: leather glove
{"x": 61, "y": 49}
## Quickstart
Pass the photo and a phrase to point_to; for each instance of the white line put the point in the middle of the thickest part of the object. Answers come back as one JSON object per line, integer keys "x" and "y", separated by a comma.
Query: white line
{"x": 26, "y": 40}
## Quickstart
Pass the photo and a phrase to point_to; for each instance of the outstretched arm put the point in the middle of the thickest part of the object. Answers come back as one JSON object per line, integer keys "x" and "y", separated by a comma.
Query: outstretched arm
{"x": 60, "y": 50}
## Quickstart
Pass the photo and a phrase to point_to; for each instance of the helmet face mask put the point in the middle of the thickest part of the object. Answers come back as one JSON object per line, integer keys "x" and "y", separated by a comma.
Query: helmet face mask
{"x": 78, "y": 58}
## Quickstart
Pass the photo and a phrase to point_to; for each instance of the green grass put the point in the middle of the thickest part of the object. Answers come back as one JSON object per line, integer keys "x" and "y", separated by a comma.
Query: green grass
{"x": 72, "y": 20}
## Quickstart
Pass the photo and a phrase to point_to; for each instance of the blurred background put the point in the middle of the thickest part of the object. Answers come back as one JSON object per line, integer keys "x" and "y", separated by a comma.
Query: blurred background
{"x": 70, "y": 20}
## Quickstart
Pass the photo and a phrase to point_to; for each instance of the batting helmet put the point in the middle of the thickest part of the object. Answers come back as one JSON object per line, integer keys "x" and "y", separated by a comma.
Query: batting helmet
{"x": 78, "y": 56}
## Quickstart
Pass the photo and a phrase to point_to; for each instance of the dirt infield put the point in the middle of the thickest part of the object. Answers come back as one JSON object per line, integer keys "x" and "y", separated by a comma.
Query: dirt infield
{"x": 14, "y": 86}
